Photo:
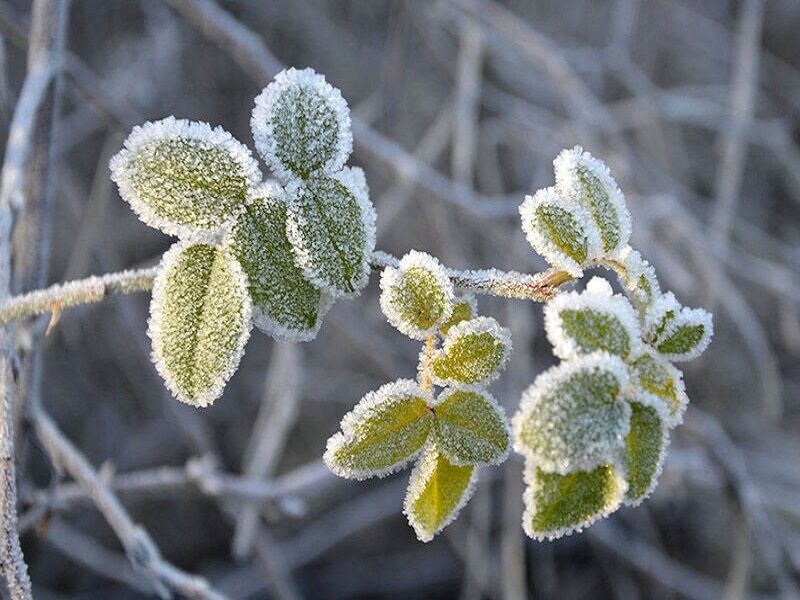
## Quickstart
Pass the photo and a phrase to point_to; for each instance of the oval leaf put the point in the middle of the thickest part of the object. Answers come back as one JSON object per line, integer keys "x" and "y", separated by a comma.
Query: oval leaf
{"x": 587, "y": 181}
{"x": 557, "y": 505}
{"x": 474, "y": 351}
{"x": 687, "y": 335}
{"x": 418, "y": 296}
{"x": 437, "y": 491}
{"x": 640, "y": 282}
{"x": 661, "y": 386}
{"x": 593, "y": 320}
{"x": 182, "y": 177}
{"x": 331, "y": 224}
{"x": 573, "y": 416}
{"x": 645, "y": 450}
{"x": 301, "y": 125}
{"x": 285, "y": 304}
{"x": 471, "y": 428}
{"x": 464, "y": 309}
{"x": 199, "y": 320}
{"x": 385, "y": 430}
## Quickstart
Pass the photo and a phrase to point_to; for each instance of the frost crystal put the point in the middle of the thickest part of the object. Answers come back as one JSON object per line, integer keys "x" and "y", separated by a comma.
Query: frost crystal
{"x": 587, "y": 181}
{"x": 594, "y": 320}
{"x": 561, "y": 231}
{"x": 184, "y": 178}
{"x": 285, "y": 305}
{"x": 437, "y": 491}
{"x": 417, "y": 297}
{"x": 331, "y": 225}
{"x": 384, "y": 431}
{"x": 199, "y": 320}
{"x": 573, "y": 416}
{"x": 474, "y": 351}
{"x": 301, "y": 125}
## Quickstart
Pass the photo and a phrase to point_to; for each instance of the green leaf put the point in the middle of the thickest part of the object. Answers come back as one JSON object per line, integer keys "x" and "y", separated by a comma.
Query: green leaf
{"x": 301, "y": 125}
{"x": 464, "y": 309}
{"x": 182, "y": 177}
{"x": 557, "y": 505}
{"x": 687, "y": 335}
{"x": 557, "y": 229}
{"x": 331, "y": 225}
{"x": 437, "y": 491}
{"x": 474, "y": 351}
{"x": 640, "y": 281}
{"x": 417, "y": 296}
{"x": 199, "y": 320}
{"x": 658, "y": 378}
{"x": 285, "y": 304}
{"x": 573, "y": 416}
{"x": 587, "y": 181}
{"x": 471, "y": 428}
{"x": 645, "y": 450}
{"x": 385, "y": 430}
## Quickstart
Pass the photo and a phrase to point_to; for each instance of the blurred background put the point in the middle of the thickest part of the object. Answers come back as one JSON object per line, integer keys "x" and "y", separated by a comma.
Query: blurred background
{"x": 459, "y": 108}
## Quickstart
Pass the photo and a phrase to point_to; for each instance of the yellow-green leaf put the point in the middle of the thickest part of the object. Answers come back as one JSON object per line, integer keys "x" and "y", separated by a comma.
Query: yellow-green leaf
{"x": 199, "y": 320}
{"x": 664, "y": 385}
{"x": 464, "y": 309}
{"x": 645, "y": 449}
{"x": 471, "y": 428}
{"x": 474, "y": 351}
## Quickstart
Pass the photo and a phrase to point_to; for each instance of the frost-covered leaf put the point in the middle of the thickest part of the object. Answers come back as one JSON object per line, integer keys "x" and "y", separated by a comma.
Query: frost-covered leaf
{"x": 560, "y": 504}
{"x": 464, "y": 309}
{"x": 658, "y": 315}
{"x": 641, "y": 281}
{"x": 331, "y": 225}
{"x": 182, "y": 177}
{"x": 437, "y": 491}
{"x": 587, "y": 181}
{"x": 301, "y": 125}
{"x": 285, "y": 304}
{"x": 417, "y": 297}
{"x": 471, "y": 428}
{"x": 385, "y": 430}
{"x": 573, "y": 416}
{"x": 659, "y": 384}
{"x": 645, "y": 450}
{"x": 687, "y": 335}
{"x": 474, "y": 351}
{"x": 592, "y": 320}
{"x": 199, "y": 320}
{"x": 563, "y": 232}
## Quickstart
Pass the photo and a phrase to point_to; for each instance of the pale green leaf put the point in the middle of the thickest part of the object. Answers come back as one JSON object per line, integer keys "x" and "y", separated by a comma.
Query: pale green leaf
{"x": 474, "y": 351}
{"x": 471, "y": 428}
{"x": 385, "y": 430}
{"x": 437, "y": 491}
{"x": 464, "y": 309}
{"x": 687, "y": 335}
{"x": 573, "y": 416}
{"x": 557, "y": 505}
{"x": 199, "y": 320}
{"x": 182, "y": 177}
{"x": 331, "y": 225}
{"x": 285, "y": 304}
{"x": 417, "y": 296}
{"x": 662, "y": 384}
{"x": 301, "y": 125}
{"x": 645, "y": 450}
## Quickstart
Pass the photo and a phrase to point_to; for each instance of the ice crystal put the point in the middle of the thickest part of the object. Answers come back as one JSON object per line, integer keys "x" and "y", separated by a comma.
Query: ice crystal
{"x": 331, "y": 225}
{"x": 199, "y": 320}
{"x": 301, "y": 125}
{"x": 184, "y": 178}
{"x": 417, "y": 297}
{"x": 474, "y": 351}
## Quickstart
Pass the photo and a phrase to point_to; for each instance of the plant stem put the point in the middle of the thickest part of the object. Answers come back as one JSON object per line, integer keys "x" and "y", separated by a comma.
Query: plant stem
{"x": 425, "y": 373}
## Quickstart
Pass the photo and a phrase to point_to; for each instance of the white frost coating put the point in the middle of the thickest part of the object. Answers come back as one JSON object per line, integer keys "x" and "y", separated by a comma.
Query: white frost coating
{"x": 168, "y": 261}
{"x": 529, "y": 477}
{"x": 638, "y": 394}
{"x": 392, "y": 277}
{"x": 689, "y": 316}
{"x": 654, "y": 315}
{"x": 172, "y": 128}
{"x": 352, "y": 178}
{"x": 575, "y": 441}
{"x": 637, "y": 267}
{"x": 420, "y": 476}
{"x": 362, "y": 410}
{"x": 275, "y": 330}
{"x": 263, "y": 127}
{"x": 598, "y": 298}
{"x": 475, "y": 326}
{"x": 567, "y": 163}
{"x": 542, "y": 242}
